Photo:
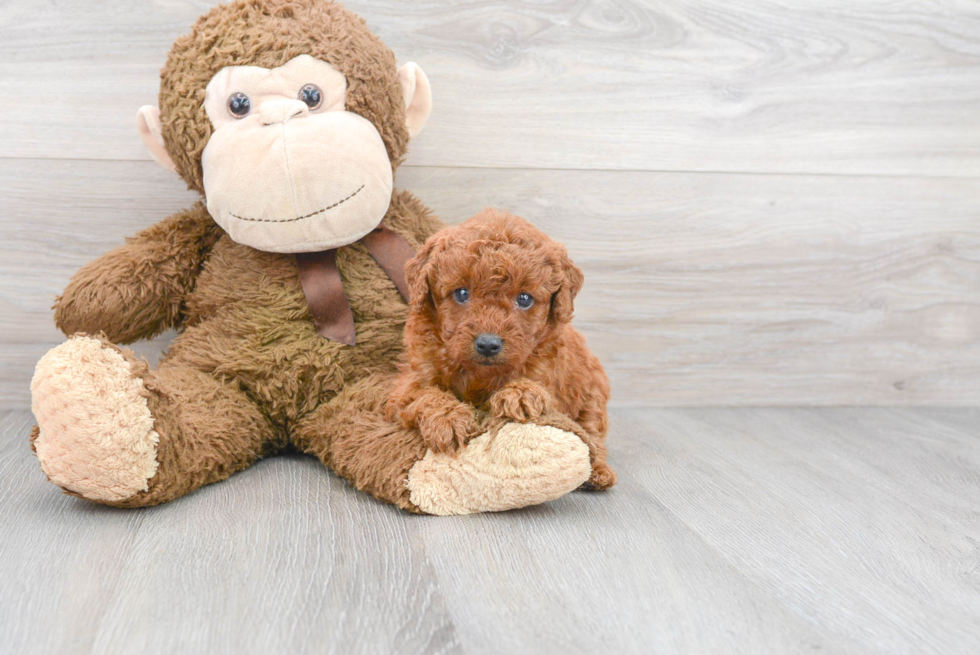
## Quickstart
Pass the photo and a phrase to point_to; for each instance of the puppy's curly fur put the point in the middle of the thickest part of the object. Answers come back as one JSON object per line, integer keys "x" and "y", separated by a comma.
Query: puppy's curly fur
{"x": 472, "y": 281}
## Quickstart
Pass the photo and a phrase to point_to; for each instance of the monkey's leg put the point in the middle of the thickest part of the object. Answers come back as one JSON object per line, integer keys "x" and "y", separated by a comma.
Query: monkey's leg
{"x": 511, "y": 465}
{"x": 112, "y": 431}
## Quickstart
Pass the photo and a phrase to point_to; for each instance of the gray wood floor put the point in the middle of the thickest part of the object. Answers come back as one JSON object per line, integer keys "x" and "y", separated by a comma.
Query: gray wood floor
{"x": 733, "y": 530}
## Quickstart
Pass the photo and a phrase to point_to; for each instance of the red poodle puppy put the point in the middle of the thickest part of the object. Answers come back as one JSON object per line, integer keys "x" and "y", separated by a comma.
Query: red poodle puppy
{"x": 488, "y": 327}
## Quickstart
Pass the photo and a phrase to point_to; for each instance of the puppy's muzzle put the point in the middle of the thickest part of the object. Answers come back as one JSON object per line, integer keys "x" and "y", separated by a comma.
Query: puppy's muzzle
{"x": 488, "y": 345}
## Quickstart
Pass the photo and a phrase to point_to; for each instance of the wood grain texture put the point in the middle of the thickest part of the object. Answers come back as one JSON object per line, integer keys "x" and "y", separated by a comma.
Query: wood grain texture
{"x": 282, "y": 558}
{"x": 883, "y": 87}
{"x": 624, "y": 577}
{"x": 700, "y": 288}
{"x": 732, "y": 530}
{"x": 839, "y": 513}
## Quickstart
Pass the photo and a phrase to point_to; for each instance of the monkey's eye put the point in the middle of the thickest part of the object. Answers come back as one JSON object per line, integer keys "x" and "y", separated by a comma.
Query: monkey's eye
{"x": 239, "y": 105}
{"x": 524, "y": 301}
{"x": 310, "y": 94}
{"x": 461, "y": 295}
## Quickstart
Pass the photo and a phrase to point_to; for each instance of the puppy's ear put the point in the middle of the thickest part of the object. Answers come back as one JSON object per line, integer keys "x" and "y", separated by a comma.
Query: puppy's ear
{"x": 417, "y": 274}
{"x": 562, "y": 301}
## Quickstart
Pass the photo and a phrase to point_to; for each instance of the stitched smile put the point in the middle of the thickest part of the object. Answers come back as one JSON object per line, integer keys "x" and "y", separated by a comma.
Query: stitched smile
{"x": 298, "y": 218}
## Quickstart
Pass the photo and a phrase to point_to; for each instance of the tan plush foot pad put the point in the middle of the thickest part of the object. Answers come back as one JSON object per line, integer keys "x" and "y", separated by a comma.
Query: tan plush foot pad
{"x": 519, "y": 466}
{"x": 96, "y": 431}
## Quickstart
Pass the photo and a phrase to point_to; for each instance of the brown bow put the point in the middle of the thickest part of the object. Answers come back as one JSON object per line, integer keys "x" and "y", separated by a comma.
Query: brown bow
{"x": 324, "y": 290}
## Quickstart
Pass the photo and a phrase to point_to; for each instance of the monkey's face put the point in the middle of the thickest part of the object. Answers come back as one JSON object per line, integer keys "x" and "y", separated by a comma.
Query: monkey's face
{"x": 287, "y": 168}
{"x": 293, "y": 142}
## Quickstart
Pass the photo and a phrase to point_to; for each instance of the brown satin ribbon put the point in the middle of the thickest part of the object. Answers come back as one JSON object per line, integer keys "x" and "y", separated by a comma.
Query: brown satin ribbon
{"x": 392, "y": 252}
{"x": 324, "y": 290}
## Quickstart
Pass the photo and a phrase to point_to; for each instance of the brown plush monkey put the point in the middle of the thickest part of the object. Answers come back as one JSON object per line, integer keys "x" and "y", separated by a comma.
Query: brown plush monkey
{"x": 289, "y": 117}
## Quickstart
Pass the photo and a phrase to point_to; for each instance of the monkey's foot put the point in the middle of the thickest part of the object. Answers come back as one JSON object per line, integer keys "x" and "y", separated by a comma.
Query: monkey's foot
{"x": 520, "y": 465}
{"x": 95, "y": 434}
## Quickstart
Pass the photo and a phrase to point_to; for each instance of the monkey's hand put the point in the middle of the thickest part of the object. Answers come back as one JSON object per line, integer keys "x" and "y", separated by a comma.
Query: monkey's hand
{"x": 522, "y": 400}
{"x": 137, "y": 291}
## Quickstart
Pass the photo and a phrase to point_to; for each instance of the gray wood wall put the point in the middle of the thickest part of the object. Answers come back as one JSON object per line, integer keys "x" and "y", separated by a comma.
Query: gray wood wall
{"x": 774, "y": 202}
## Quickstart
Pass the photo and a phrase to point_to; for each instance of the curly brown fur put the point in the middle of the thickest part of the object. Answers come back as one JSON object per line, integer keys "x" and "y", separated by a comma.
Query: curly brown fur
{"x": 544, "y": 364}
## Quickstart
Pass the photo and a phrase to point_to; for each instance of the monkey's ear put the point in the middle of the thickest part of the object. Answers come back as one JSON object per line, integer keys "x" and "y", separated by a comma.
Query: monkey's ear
{"x": 562, "y": 302}
{"x": 418, "y": 97}
{"x": 151, "y": 132}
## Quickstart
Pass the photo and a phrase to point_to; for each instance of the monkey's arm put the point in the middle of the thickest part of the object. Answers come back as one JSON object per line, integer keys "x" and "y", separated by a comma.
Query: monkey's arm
{"x": 137, "y": 291}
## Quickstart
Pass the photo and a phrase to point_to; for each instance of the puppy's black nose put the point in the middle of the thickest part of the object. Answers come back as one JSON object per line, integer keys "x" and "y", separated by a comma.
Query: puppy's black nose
{"x": 488, "y": 345}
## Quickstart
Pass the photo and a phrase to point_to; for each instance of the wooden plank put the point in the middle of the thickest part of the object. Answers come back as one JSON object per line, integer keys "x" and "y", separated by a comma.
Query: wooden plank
{"x": 732, "y": 530}
{"x": 296, "y": 562}
{"x": 326, "y": 567}
{"x": 282, "y": 558}
{"x": 59, "y": 559}
{"x": 701, "y": 289}
{"x": 603, "y": 573}
{"x": 863, "y": 521}
{"x": 764, "y": 85}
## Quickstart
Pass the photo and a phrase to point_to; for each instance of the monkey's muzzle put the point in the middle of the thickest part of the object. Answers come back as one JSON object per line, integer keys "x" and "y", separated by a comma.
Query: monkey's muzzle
{"x": 306, "y": 183}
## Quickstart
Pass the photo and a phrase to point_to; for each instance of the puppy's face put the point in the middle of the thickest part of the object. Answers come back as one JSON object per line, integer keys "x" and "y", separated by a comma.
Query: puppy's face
{"x": 492, "y": 307}
{"x": 491, "y": 290}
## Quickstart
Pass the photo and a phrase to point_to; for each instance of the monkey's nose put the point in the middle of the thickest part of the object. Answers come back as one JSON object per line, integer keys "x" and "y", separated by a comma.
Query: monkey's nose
{"x": 488, "y": 345}
{"x": 280, "y": 111}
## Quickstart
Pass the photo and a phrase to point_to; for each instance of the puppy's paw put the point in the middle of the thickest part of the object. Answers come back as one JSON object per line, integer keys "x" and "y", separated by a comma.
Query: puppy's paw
{"x": 602, "y": 477}
{"x": 448, "y": 430}
{"x": 522, "y": 401}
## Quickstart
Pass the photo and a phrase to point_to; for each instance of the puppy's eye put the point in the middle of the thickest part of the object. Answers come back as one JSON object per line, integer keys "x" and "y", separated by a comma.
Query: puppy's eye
{"x": 239, "y": 105}
{"x": 461, "y": 295}
{"x": 524, "y": 301}
{"x": 310, "y": 94}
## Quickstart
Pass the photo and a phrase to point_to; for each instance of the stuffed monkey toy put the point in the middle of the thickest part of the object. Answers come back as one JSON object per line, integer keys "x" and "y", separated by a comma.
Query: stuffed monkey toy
{"x": 286, "y": 285}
